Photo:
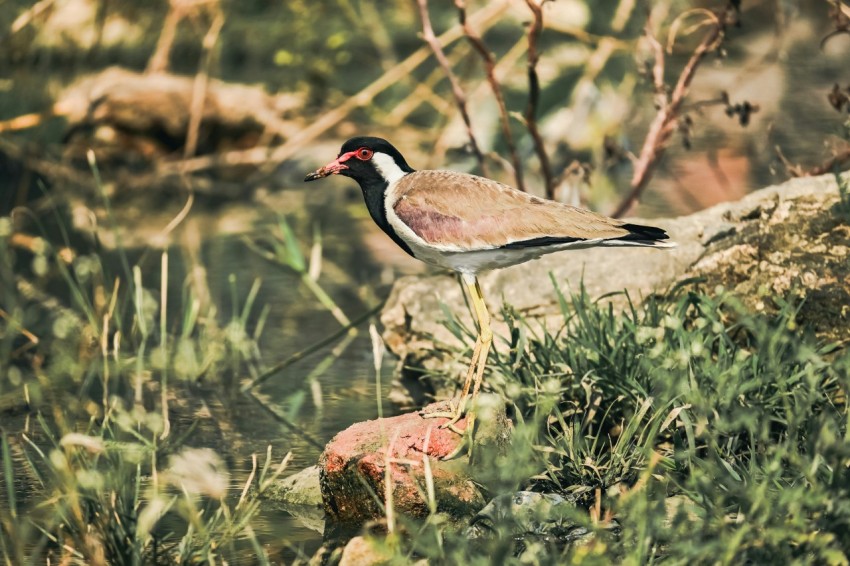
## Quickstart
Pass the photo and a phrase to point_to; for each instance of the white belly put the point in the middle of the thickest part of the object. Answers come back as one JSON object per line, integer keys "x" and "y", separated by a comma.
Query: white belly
{"x": 474, "y": 262}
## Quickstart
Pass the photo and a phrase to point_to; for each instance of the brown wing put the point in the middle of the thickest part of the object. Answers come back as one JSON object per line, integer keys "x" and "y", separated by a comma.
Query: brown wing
{"x": 449, "y": 208}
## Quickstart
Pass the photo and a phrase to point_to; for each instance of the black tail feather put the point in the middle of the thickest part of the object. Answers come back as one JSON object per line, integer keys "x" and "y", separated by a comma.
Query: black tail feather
{"x": 641, "y": 233}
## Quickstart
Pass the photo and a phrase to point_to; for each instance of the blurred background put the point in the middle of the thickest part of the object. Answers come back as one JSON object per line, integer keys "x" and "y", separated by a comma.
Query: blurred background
{"x": 152, "y": 157}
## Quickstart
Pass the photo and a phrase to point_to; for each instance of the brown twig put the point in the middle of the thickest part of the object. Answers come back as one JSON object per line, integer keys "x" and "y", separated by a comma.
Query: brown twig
{"x": 178, "y": 10}
{"x": 534, "y": 31}
{"x": 30, "y": 15}
{"x": 457, "y": 91}
{"x": 828, "y": 166}
{"x": 666, "y": 120}
{"x": 840, "y": 16}
{"x": 158, "y": 63}
{"x": 24, "y": 332}
{"x": 271, "y": 157}
{"x": 490, "y": 66}
{"x": 24, "y": 122}
{"x": 196, "y": 113}
{"x": 423, "y": 92}
{"x": 199, "y": 86}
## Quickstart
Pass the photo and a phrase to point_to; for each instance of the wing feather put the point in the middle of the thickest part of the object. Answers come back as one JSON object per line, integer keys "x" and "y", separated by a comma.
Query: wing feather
{"x": 475, "y": 213}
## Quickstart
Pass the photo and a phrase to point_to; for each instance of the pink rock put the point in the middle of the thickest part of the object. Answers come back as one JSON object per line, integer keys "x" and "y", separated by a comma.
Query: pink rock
{"x": 353, "y": 467}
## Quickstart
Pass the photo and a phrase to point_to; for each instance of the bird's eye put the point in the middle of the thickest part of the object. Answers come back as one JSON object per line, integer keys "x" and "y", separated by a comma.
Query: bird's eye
{"x": 364, "y": 154}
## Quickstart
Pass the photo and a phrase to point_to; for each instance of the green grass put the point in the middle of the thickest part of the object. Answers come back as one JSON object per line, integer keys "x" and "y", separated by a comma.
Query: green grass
{"x": 686, "y": 429}
{"x": 98, "y": 376}
{"x": 95, "y": 472}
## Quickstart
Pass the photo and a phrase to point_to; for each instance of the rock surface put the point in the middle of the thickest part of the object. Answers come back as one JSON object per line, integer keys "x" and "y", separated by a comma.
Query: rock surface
{"x": 361, "y": 551}
{"x": 301, "y": 496}
{"x": 301, "y": 488}
{"x": 354, "y": 466}
{"x": 785, "y": 239}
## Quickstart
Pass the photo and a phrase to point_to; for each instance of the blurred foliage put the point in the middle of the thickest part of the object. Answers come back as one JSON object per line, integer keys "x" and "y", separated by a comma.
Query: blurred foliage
{"x": 770, "y": 85}
{"x": 105, "y": 473}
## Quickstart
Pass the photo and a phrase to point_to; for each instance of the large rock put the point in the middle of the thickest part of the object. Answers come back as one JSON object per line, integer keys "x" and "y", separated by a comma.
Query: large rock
{"x": 785, "y": 239}
{"x": 407, "y": 450}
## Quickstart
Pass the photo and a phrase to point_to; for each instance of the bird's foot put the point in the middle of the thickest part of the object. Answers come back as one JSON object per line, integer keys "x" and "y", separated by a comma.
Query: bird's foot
{"x": 441, "y": 410}
{"x": 465, "y": 445}
{"x": 447, "y": 410}
{"x": 454, "y": 411}
{"x": 466, "y": 439}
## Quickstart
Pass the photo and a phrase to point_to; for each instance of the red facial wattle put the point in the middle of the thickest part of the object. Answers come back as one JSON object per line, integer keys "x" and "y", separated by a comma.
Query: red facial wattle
{"x": 337, "y": 165}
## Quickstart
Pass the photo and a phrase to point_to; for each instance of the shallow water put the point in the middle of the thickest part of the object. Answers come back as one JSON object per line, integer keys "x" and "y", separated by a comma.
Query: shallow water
{"x": 355, "y": 278}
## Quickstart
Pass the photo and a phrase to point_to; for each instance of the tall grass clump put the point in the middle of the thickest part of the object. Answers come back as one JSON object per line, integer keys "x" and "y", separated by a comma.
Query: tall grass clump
{"x": 684, "y": 430}
{"x": 102, "y": 462}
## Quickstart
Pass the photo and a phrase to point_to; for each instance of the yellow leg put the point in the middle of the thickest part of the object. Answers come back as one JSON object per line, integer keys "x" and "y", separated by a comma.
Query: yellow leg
{"x": 485, "y": 337}
{"x": 475, "y": 373}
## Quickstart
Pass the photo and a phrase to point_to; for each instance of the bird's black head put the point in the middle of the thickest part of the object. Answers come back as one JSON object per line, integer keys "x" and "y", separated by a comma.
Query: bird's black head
{"x": 369, "y": 161}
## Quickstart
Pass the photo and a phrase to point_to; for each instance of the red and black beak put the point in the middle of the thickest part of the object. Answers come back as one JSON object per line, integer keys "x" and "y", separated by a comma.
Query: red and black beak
{"x": 332, "y": 168}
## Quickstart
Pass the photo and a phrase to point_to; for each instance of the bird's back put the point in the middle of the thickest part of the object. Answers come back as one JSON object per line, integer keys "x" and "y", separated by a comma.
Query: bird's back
{"x": 468, "y": 212}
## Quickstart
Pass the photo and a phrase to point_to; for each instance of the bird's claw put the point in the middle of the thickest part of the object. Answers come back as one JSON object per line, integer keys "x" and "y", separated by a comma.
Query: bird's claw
{"x": 454, "y": 413}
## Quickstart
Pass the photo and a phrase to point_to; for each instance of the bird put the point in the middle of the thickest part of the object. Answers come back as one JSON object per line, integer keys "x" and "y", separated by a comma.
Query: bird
{"x": 471, "y": 224}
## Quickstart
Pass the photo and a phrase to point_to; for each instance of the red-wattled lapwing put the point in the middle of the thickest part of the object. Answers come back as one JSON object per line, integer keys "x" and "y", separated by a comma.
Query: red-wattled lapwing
{"x": 470, "y": 224}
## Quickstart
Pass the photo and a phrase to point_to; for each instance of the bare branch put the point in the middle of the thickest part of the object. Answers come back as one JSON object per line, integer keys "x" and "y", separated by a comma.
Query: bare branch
{"x": 457, "y": 91}
{"x": 199, "y": 86}
{"x": 270, "y": 157}
{"x": 669, "y": 111}
{"x": 489, "y": 67}
{"x": 24, "y": 122}
{"x": 828, "y": 166}
{"x": 534, "y": 95}
{"x": 30, "y": 15}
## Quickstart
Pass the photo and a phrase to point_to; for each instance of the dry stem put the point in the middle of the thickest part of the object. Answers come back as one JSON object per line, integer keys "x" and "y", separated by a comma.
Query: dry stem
{"x": 669, "y": 109}
{"x": 534, "y": 95}
{"x": 828, "y": 166}
{"x": 490, "y": 67}
{"x": 271, "y": 157}
{"x": 457, "y": 91}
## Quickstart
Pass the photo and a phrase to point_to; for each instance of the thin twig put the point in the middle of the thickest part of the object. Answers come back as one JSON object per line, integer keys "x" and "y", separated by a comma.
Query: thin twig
{"x": 270, "y": 157}
{"x": 534, "y": 31}
{"x": 158, "y": 63}
{"x": 423, "y": 92}
{"x": 199, "y": 86}
{"x": 276, "y": 415}
{"x": 457, "y": 91}
{"x": 25, "y": 121}
{"x": 13, "y": 322}
{"x": 490, "y": 67}
{"x": 669, "y": 110}
{"x": 828, "y": 166}
{"x": 196, "y": 113}
{"x": 30, "y": 15}
{"x": 301, "y": 354}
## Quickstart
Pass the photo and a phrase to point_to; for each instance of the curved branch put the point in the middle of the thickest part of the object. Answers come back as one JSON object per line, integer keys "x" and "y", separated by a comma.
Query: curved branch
{"x": 489, "y": 67}
{"x": 669, "y": 111}
{"x": 534, "y": 31}
{"x": 457, "y": 91}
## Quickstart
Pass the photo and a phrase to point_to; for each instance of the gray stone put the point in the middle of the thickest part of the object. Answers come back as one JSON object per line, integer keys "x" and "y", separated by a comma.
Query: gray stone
{"x": 301, "y": 488}
{"x": 299, "y": 495}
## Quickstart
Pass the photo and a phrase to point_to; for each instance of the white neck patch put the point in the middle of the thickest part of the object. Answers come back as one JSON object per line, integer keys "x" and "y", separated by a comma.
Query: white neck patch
{"x": 387, "y": 167}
